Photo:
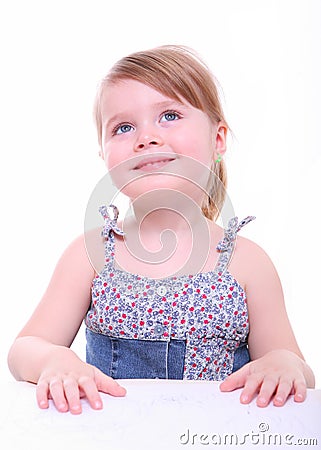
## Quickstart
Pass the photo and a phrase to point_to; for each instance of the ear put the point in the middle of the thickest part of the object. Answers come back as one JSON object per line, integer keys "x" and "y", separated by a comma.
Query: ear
{"x": 220, "y": 139}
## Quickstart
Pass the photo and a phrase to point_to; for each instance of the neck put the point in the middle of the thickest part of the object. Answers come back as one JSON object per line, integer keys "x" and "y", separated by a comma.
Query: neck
{"x": 160, "y": 210}
{"x": 176, "y": 231}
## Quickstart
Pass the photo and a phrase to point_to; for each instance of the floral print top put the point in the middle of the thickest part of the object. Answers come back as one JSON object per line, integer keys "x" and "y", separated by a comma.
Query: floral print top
{"x": 207, "y": 310}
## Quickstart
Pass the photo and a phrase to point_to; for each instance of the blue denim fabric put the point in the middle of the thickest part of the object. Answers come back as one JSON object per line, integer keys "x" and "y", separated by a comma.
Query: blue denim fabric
{"x": 132, "y": 358}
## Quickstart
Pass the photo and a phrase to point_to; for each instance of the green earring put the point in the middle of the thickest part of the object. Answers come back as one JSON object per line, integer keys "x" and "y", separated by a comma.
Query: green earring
{"x": 219, "y": 159}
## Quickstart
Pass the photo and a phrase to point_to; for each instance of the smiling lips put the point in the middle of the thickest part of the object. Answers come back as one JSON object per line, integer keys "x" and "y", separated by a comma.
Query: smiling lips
{"x": 150, "y": 164}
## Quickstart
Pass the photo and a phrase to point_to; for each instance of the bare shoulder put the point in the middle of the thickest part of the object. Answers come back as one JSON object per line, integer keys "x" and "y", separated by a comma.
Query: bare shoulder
{"x": 75, "y": 257}
{"x": 250, "y": 251}
{"x": 250, "y": 262}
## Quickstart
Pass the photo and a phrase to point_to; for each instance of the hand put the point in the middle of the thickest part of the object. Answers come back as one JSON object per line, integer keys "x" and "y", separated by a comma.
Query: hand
{"x": 78, "y": 379}
{"x": 276, "y": 375}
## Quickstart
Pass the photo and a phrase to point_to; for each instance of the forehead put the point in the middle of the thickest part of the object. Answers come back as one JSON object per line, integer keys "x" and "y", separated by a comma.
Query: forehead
{"x": 131, "y": 93}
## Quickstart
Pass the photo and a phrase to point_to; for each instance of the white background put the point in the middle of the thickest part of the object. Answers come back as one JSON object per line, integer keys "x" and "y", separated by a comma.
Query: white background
{"x": 266, "y": 55}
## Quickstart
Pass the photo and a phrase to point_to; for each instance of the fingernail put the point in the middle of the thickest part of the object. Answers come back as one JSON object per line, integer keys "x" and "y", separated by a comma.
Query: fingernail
{"x": 244, "y": 398}
{"x": 76, "y": 407}
{"x": 98, "y": 405}
{"x": 279, "y": 399}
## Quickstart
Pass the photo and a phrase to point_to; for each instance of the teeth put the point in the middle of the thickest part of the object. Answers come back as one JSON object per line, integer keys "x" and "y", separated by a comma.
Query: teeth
{"x": 151, "y": 164}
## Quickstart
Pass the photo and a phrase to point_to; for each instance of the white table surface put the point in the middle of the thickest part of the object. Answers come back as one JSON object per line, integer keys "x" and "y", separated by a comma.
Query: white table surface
{"x": 158, "y": 414}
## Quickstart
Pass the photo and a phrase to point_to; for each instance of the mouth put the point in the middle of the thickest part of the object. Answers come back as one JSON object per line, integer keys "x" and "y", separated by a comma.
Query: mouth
{"x": 150, "y": 164}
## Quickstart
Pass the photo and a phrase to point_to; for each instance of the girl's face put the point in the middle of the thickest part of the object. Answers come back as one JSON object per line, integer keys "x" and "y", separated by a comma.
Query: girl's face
{"x": 150, "y": 141}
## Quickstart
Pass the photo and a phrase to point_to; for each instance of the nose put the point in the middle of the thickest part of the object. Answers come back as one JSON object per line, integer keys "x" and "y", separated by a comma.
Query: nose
{"x": 146, "y": 141}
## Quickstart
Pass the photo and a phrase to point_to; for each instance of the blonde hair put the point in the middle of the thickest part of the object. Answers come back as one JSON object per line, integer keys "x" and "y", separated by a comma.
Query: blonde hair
{"x": 177, "y": 72}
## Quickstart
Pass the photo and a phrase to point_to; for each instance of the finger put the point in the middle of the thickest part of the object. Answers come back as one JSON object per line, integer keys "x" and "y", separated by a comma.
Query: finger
{"x": 108, "y": 385}
{"x": 89, "y": 388}
{"x": 268, "y": 387}
{"x": 42, "y": 394}
{"x": 300, "y": 390}
{"x": 57, "y": 393}
{"x": 72, "y": 396}
{"x": 235, "y": 380}
{"x": 283, "y": 391}
{"x": 251, "y": 387}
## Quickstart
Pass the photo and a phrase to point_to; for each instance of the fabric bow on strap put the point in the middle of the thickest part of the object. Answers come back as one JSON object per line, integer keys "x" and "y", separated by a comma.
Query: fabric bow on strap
{"x": 110, "y": 215}
{"x": 230, "y": 232}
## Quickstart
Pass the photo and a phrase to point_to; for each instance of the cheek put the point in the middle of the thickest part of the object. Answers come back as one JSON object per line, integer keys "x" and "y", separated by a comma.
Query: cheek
{"x": 111, "y": 156}
{"x": 119, "y": 166}
{"x": 110, "y": 161}
{"x": 199, "y": 147}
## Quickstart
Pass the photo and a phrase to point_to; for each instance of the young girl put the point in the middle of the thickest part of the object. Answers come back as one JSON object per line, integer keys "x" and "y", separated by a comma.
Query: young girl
{"x": 188, "y": 303}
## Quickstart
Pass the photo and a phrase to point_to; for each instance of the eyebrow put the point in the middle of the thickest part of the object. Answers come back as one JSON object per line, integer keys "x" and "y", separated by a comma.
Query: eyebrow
{"x": 159, "y": 105}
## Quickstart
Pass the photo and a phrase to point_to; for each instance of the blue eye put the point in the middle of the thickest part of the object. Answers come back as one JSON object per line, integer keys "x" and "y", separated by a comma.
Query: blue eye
{"x": 124, "y": 128}
{"x": 169, "y": 116}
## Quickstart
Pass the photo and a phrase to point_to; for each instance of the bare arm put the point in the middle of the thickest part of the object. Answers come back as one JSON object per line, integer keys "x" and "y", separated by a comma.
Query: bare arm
{"x": 41, "y": 352}
{"x": 278, "y": 367}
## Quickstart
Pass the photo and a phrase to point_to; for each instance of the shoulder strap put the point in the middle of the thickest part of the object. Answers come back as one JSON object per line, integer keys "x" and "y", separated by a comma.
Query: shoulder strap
{"x": 227, "y": 244}
{"x": 110, "y": 215}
